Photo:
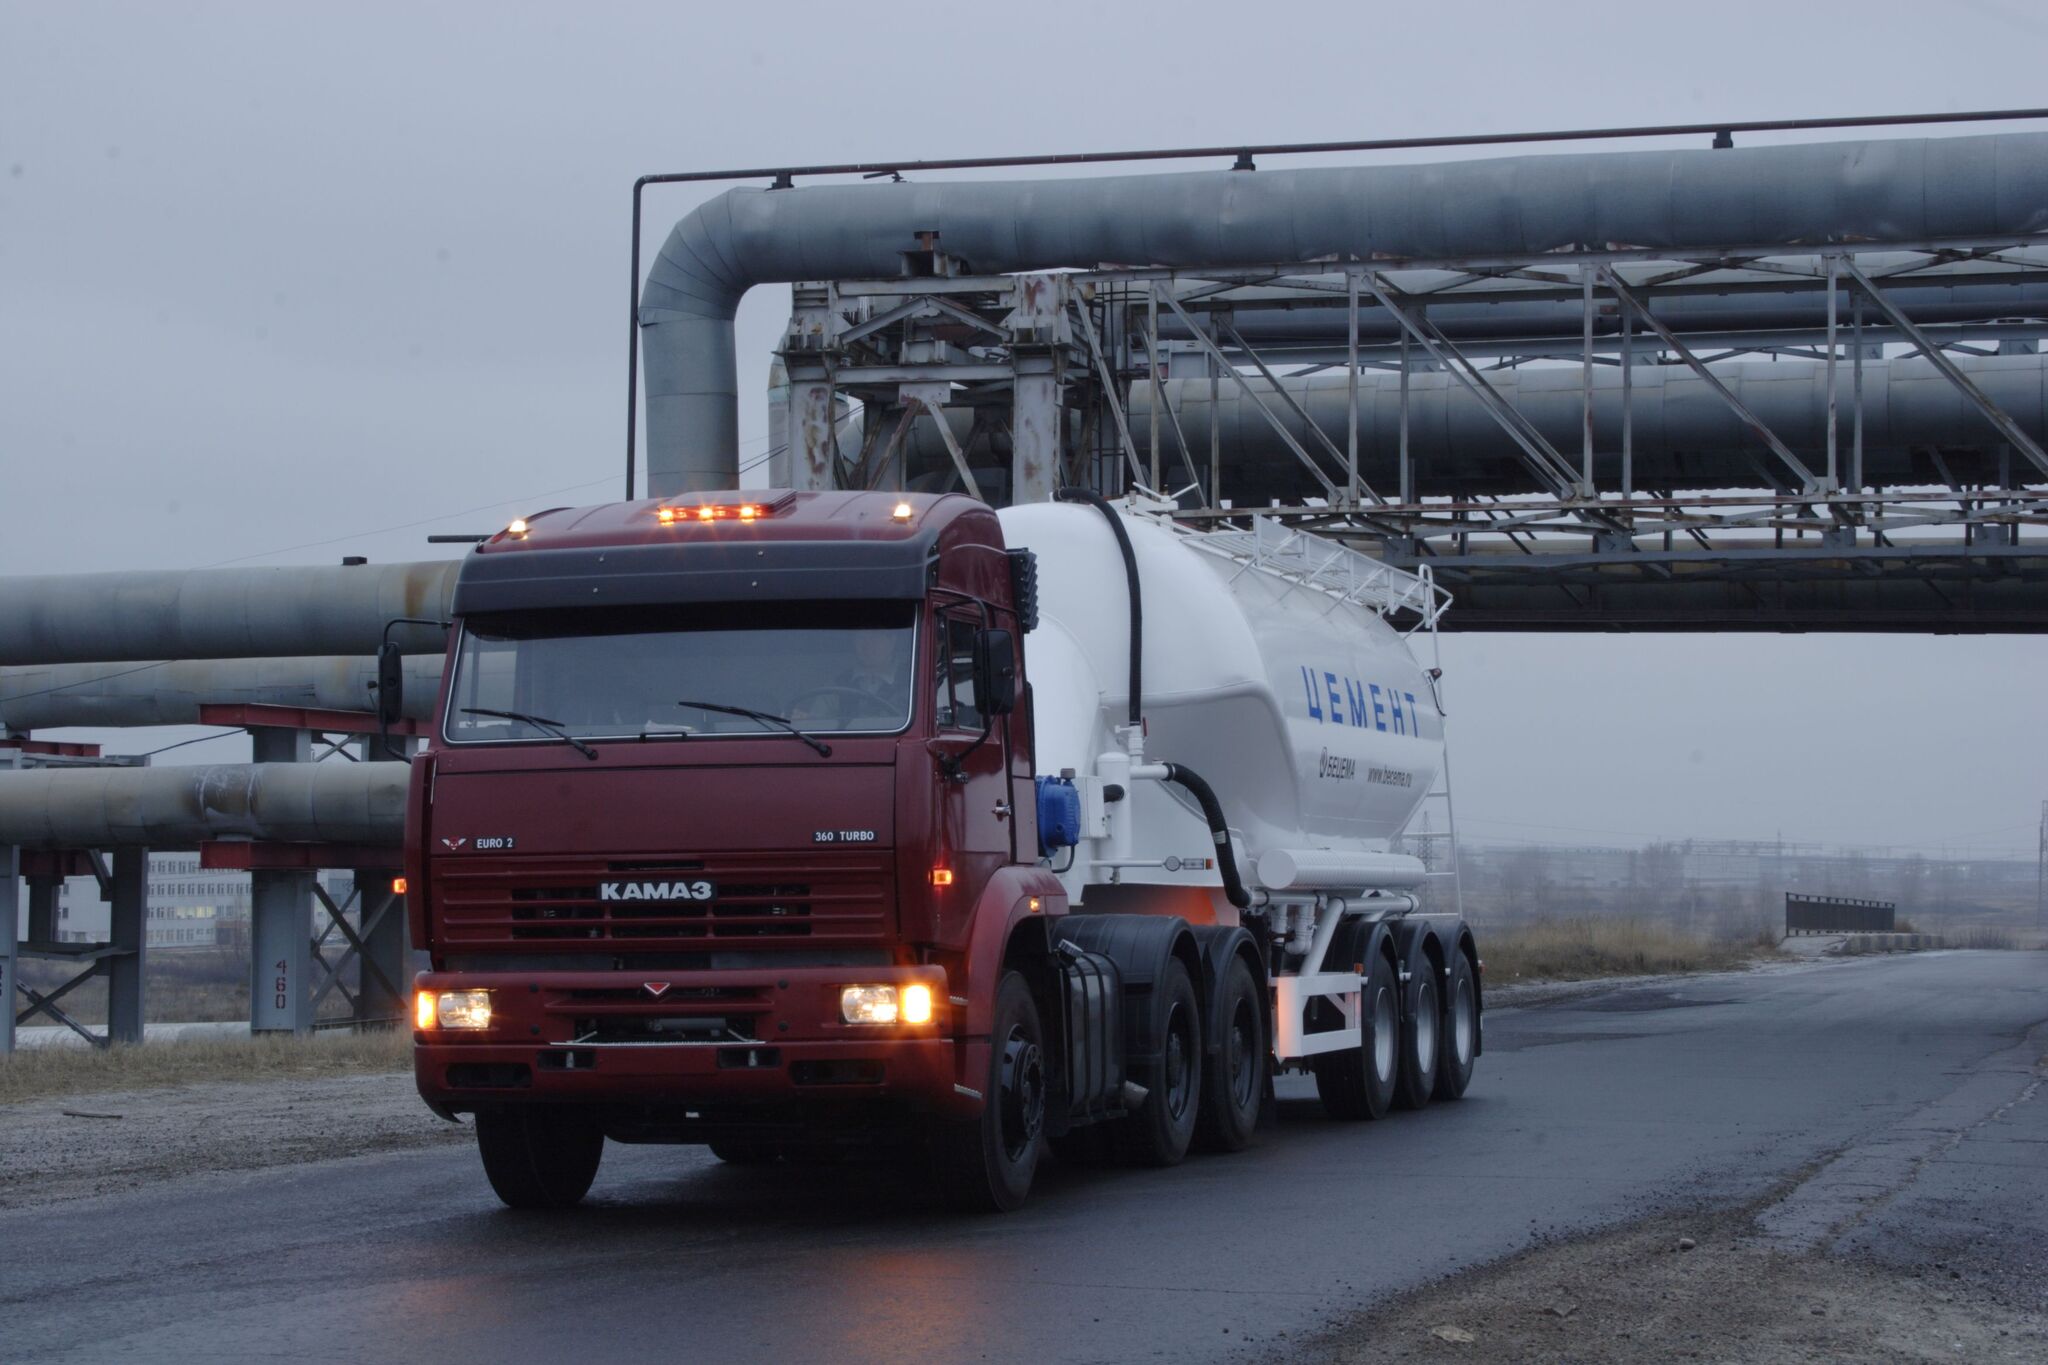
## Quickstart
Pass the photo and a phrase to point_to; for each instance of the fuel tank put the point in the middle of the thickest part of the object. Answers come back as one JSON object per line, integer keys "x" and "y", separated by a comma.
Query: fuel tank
{"x": 1268, "y": 668}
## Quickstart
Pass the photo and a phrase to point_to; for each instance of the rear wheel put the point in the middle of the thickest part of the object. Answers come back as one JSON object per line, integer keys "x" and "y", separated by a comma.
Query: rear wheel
{"x": 1420, "y": 1042}
{"x": 987, "y": 1164}
{"x": 1461, "y": 1029}
{"x": 1159, "y": 1133}
{"x": 1235, "y": 1085}
{"x": 539, "y": 1157}
{"x": 1359, "y": 1082}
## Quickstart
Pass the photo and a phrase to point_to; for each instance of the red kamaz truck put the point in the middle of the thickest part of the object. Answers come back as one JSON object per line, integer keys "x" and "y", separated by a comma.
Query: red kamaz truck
{"x": 786, "y": 822}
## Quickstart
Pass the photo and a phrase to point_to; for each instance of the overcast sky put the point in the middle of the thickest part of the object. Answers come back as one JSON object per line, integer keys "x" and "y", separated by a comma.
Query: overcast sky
{"x": 282, "y": 282}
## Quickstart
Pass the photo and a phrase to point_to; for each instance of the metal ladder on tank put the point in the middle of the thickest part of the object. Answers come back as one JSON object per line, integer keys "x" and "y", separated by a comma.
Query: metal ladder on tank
{"x": 1437, "y": 849}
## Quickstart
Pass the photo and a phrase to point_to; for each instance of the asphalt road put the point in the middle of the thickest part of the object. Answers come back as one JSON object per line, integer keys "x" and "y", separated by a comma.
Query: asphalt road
{"x": 1897, "y": 1096}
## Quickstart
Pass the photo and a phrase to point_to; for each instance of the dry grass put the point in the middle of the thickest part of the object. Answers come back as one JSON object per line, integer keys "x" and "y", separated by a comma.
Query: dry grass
{"x": 1584, "y": 947}
{"x": 37, "y": 1073}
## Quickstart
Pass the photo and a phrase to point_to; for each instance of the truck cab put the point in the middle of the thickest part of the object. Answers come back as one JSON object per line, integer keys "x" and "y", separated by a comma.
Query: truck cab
{"x": 721, "y": 819}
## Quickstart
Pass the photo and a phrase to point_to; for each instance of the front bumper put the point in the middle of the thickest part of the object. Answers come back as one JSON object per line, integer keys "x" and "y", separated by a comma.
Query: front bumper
{"x": 728, "y": 1046}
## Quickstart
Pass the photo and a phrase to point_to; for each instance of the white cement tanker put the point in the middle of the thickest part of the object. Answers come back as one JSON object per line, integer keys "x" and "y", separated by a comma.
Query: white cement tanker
{"x": 1249, "y": 739}
{"x": 1267, "y": 666}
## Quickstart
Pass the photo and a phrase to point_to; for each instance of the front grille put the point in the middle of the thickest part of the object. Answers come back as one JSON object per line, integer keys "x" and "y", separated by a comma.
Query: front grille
{"x": 762, "y": 900}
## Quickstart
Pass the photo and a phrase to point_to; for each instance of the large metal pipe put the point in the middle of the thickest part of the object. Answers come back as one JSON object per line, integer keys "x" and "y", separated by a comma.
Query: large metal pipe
{"x": 1901, "y": 190}
{"x": 1682, "y": 434}
{"x": 1737, "y": 310}
{"x": 342, "y": 803}
{"x": 170, "y": 692}
{"x": 222, "y": 613}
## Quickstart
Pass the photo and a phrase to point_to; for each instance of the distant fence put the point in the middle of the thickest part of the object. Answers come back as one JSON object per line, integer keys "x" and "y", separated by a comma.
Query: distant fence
{"x": 1838, "y": 915}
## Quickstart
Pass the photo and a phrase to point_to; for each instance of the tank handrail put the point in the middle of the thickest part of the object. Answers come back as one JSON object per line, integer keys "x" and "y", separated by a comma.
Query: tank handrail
{"x": 1326, "y": 566}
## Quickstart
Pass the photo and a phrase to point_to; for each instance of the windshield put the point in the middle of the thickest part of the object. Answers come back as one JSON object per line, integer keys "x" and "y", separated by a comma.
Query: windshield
{"x": 839, "y": 668}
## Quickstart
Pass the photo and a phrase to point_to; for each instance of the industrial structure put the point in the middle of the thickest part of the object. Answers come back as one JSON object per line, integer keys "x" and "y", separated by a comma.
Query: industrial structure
{"x": 1720, "y": 388}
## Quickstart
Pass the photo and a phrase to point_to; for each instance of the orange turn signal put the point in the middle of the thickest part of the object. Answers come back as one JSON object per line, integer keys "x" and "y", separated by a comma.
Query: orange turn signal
{"x": 942, "y": 876}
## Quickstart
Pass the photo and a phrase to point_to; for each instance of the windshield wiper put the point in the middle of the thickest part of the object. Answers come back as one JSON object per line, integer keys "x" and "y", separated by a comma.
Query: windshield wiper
{"x": 553, "y": 727}
{"x": 824, "y": 749}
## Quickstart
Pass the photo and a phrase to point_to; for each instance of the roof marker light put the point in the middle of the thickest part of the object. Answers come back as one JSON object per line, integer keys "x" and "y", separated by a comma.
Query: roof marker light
{"x": 707, "y": 512}
{"x": 901, "y": 511}
{"x": 748, "y": 511}
{"x": 518, "y": 527}
{"x": 665, "y": 515}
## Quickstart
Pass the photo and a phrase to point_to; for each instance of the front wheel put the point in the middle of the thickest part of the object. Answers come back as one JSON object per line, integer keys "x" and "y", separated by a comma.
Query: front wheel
{"x": 538, "y": 1157}
{"x": 987, "y": 1164}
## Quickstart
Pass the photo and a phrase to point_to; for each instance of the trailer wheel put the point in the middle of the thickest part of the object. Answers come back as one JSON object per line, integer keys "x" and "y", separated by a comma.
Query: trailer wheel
{"x": 539, "y": 1158}
{"x": 1421, "y": 1043}
{"x": 1159, "y": 1133}
{"x": 987, "y": 1165}
{"x": 1461, "y": 1030}
{"x": 1235, "y": 1085}
{"x": 1359, "y": 1084}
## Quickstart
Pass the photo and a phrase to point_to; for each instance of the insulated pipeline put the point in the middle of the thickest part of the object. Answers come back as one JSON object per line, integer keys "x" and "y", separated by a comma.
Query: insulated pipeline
{"x": 1904, "y": 189}
{"x": 182, "y": 807}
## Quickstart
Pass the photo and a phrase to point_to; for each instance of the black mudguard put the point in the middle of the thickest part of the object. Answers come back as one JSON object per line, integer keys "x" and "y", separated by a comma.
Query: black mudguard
{"x": 1141, "y": 946}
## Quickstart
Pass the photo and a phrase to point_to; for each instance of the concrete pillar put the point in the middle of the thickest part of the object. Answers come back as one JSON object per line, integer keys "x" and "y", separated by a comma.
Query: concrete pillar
{"x": 280, "y": 918}
{"x": 280, "y": 951}
{"x": 128, "y": 935}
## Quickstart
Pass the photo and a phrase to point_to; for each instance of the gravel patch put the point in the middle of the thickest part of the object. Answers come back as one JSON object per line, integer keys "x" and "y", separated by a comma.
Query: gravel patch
{"x": 69, "y": 1147}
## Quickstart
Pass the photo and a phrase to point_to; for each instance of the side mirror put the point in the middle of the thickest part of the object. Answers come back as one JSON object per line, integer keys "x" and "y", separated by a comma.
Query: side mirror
{"x": 390, "y": 685}
{"x": 995, "y": 672}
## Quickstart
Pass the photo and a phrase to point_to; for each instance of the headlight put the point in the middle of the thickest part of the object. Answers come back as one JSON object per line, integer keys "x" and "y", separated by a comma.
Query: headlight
{"x": 868, "y": 1004}
{"x": 452, "y": 1010}
{"x": 912, "y": 1004}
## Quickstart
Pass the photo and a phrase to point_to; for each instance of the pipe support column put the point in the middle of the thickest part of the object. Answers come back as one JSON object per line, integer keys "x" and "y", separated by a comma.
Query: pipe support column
{"x": 280, "y": 917}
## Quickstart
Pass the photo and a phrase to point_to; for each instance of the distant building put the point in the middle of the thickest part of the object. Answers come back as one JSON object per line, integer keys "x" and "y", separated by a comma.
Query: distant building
{"x": 189, "y": 906}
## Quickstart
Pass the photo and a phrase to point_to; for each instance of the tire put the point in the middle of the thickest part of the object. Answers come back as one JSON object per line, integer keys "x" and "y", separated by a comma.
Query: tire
{"x": 539, "y": 1157}
{"x": 1359, "y": 1084}
{"x": 737, "y": 1153}
{"x": 1421, "y": 1041}
{"x": 1160, "y": 1132}
{"x": 1234, "y": 1085}
{"x": 1461, "y": 1029}
{"x": 986, "y": 1165}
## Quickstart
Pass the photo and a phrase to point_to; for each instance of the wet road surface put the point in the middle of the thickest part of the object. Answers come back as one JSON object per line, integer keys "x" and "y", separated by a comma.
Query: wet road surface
{"x": 1902, "y": 1090}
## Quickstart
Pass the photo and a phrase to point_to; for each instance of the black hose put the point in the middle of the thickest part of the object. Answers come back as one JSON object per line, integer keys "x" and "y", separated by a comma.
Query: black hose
{"x": 1212, "y": 811}
{"x": 1123, "y": 543}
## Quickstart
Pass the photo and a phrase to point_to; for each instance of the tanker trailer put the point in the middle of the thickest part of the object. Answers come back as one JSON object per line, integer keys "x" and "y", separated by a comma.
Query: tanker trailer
{"x": 1246, "y": 738}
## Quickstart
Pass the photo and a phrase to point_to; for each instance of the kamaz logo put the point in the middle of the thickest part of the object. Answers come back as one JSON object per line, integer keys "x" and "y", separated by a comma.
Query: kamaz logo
{"x": 654, "y": 891}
